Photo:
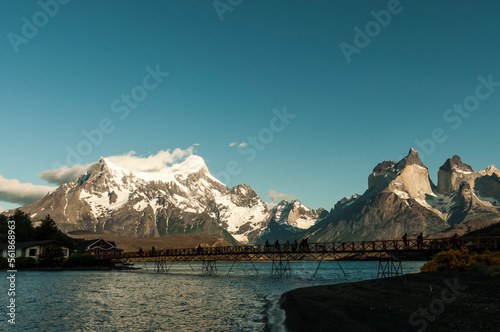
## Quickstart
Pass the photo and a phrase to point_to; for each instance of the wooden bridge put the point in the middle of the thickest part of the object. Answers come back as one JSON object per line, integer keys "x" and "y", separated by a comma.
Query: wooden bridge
{"x": 389, "y": 253}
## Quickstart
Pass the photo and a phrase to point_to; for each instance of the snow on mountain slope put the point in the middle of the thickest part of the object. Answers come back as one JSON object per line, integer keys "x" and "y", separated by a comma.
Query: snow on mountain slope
{"x": 295, "y": 214}
{"x": 184, "y": 197}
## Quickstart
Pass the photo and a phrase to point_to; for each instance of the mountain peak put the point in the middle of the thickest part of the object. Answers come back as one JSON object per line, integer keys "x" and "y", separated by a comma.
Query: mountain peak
{"x": 490, "y": 170}
{"x": 411, "y": 159}
{"x": 191, "y": 165}
{"x": 453, "y": 173}
{"x": 455, "y": 164}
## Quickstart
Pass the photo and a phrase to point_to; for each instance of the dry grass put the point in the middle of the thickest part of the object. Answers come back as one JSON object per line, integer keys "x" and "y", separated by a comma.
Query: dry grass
{"x": 163, "y": 242}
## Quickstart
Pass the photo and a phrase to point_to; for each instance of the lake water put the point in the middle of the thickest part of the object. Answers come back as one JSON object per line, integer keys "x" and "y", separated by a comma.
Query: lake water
{"x": 181, "y": 300}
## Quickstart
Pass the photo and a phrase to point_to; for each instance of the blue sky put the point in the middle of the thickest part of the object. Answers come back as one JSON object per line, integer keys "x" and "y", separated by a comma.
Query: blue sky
{"x": 227, "y": 80}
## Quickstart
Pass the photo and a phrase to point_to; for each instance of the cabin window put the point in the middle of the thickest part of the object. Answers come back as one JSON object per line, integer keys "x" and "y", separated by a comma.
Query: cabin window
{"x": 32, "y": 252}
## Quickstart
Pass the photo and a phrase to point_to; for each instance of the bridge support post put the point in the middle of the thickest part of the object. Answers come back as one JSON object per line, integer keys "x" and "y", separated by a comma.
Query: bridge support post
{"x": 335, "y": 258}
{"x": 281, "y": 266}
{"x": 160, "y": 265}
{"x": 389, "y": 266}
{"x": 209, "y": 265}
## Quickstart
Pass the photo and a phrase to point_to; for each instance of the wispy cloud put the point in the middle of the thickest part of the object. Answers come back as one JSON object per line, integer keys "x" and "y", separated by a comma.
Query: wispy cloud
{"x": 13, "y": 191}
{"x": 241, "y": 145}
{"x": 64, "y": 174}
{"x": 130, "y": 161}
{"x": 276, "y": 196}
{"x": 152, "y": 163}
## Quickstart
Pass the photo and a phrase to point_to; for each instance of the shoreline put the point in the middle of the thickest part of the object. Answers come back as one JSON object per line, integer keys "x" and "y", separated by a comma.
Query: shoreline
{"x": 436, "y": 301}
{"x": 81, "y": 268}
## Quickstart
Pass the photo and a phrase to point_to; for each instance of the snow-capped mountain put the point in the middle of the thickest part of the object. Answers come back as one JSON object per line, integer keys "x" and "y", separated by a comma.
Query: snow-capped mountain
{"x": 401, "y": 198}
{"x": 295, "y": 214}
{"x": 186, "y": 199}
{"x": 289, "y": 218}
{"x": 183, "y": 198}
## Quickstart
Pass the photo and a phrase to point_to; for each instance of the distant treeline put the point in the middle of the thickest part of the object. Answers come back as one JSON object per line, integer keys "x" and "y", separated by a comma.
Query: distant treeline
{"x": 25, "y": 231}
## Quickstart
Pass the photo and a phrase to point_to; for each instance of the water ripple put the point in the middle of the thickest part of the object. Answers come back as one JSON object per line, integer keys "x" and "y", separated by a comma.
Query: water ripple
{"x": 179, "y": 301}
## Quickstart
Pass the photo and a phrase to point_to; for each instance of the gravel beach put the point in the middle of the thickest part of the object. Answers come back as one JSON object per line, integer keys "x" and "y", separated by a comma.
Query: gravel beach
{"x": 437, "y": 301}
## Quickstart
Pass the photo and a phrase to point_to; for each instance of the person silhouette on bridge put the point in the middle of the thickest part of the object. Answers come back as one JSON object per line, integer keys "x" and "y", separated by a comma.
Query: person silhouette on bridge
{"x": 405, "y": 240}
{"x": 420, "y": 241}
{"x": 295, "y": 245}
{"x": 268, "y": 245}
{"x": 303, "y": 245}
{"x": 454, "y": 241}
{"x": 277, "y": 245}
{"x": 140, "y": 251}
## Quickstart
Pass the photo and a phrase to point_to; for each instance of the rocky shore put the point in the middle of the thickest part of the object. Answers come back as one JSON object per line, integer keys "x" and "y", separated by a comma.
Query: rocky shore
{"x": 438, "y": 301}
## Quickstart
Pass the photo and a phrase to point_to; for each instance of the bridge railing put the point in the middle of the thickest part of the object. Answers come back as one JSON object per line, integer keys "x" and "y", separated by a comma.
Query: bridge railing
{"x": 481, "y": 243}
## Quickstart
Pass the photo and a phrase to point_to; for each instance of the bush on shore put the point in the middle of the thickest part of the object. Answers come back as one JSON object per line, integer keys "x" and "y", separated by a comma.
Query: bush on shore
{"x": 462, "y": 258}
{"x": 80, "y": 260}
{"x": 4, "y": 263}
{"x": 25, "y": 262}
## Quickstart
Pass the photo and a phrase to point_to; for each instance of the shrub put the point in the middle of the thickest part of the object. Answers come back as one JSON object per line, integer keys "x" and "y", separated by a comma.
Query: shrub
{"x": 79, "y": 259}
{"x": 52, "y": 256}
{"x": 3, "y": 262}
{"x": 25, "y": 262}
{"x": 462, "y": 258}
{"x": 488, "y": 258}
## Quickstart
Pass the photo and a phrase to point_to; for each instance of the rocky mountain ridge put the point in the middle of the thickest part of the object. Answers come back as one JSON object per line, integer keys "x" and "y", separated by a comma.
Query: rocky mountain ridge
{"x": 186, "y": 199}
{"x": 401, "y": 198}
{"x": 288, "y": 218}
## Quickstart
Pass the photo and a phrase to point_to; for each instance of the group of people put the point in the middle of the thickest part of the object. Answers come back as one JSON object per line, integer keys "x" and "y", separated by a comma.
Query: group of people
{"x": 302, "y": 246}
{"x": 151, "y": 252}
{"x": 420, "y": 241}
{"x": 454, "y": 241}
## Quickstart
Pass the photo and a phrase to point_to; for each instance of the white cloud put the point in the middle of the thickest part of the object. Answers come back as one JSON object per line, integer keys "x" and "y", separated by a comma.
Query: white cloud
{"x": 64, "y": 174}
{"x": 128, "y": 161}
{"x": 153, "y": 163}
{"x": 13, "y": 191}
{"x": 241, "y": 145}
{"x": 276, "y": 196}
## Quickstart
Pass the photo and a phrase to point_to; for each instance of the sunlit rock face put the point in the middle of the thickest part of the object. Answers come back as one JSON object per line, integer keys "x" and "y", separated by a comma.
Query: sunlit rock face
{"x": 453, "y": 173}
{"x": 401, "y": 198}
